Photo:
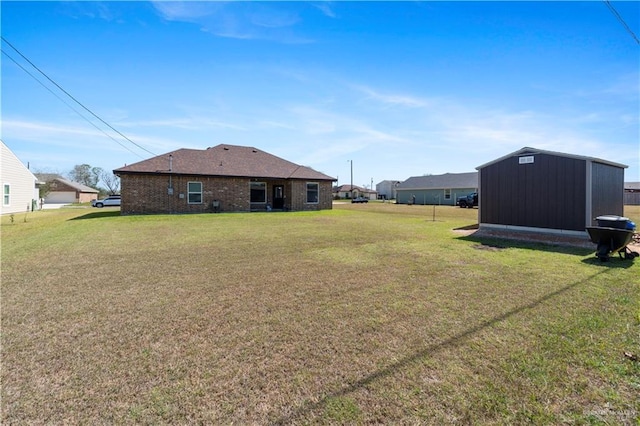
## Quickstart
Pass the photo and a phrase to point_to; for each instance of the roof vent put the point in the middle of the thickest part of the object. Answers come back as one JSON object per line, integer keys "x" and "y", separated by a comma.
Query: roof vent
{"x": 253, "y": 150}
{"x": 226, "y": 148}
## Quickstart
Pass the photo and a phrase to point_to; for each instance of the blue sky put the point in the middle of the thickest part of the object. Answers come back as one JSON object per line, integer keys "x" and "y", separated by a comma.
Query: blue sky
{"x": 400, "y": 88}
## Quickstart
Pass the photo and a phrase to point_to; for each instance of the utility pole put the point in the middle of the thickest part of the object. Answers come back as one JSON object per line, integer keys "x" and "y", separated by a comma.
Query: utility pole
{"x": 351, "y": 188}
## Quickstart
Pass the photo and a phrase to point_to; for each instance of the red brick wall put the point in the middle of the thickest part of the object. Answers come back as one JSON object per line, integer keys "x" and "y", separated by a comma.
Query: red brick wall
{"x": 81, "y": 197}
{"x": 147, "y": 194}
{"x": 85, "y": 197}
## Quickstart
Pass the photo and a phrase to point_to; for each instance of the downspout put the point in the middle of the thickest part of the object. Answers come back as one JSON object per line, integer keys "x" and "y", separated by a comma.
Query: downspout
{"x": 589, "y": 193}
{"x": 170, "y": 189}
{"x": 170, "y": 170}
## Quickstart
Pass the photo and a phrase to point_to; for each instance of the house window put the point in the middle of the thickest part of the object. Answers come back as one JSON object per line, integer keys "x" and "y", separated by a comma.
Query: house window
{"x": 194, "y": 192}
{"x": 447, "y": 194}
{"x": 258, "y": 192}
{"x": 6, "y": 199}
{"x": 313, "y": 190}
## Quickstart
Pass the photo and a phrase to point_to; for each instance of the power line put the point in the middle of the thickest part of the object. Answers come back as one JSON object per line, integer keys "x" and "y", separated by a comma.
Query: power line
{"x": 624, "y": 24}
{"x": 67, "y": 104}
{"x": 74, "y": 99}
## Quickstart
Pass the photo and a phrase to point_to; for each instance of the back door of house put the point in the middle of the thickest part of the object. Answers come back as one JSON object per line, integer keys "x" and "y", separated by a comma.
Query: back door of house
{"x": 278, "y": 196}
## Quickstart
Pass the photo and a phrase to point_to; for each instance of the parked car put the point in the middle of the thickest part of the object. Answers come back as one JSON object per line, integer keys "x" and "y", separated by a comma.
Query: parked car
{"x": 360, "y": 200}
{"x": 111, "y": 200}
{"x": 469, "y": 201}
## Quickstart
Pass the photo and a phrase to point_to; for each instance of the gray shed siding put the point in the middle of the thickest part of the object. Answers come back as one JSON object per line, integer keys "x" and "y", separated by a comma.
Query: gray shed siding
{"x": 548, "y": 193}
{"x": 632, "y": 198}
{"x": 607, "y": 187}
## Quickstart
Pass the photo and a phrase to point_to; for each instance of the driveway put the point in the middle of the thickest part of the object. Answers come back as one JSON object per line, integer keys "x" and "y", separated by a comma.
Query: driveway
{"x": 49, "y": 206}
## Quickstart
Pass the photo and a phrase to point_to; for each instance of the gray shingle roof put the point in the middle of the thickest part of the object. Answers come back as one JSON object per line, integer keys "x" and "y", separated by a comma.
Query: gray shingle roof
{"x": 445, "y": 181}
{"x": 224, "y": 160}
{"x": 632, "y": 185}
{"x": 347, "y": 187}
{"x": 50, "y": 177}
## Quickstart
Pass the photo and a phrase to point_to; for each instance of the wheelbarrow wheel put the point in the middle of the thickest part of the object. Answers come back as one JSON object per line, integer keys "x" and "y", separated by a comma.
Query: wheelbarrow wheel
{"x": 603, "y": 252}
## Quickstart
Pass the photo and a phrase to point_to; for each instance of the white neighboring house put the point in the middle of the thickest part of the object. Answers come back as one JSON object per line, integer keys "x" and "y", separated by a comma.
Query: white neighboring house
{"x": 19, "y": 189}
{"x": 387, "y": 189}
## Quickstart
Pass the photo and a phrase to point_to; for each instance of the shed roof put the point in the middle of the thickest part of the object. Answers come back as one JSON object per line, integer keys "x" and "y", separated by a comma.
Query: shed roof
{"x": 445, "y": 181}
{"x": 223, "y": 160}
{"x": 528, "y": 150}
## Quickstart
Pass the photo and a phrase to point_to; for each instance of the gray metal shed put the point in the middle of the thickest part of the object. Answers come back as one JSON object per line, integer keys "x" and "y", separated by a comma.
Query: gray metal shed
{"x": 537, "y": 190}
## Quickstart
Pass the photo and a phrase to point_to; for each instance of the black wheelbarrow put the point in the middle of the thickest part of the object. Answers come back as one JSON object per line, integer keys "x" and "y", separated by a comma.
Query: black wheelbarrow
{"x": 611, "y": 236}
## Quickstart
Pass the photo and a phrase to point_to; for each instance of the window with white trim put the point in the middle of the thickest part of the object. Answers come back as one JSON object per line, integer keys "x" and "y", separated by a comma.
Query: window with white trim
{"x": 194, "y": 192}
{"x": 258, "y": 192}
{"x": 447, "y": 194}
{"x": 313, "y": 192}
{"x": 6, "y": 195}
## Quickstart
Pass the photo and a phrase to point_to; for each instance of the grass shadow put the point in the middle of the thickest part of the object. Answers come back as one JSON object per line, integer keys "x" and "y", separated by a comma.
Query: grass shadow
{"x": 467, "y": 228}
{"x": 98, "y": 215}
{"x": 452, "y": 342}
{"x": 614, "y": 261}
{"x": 546, "y": 246}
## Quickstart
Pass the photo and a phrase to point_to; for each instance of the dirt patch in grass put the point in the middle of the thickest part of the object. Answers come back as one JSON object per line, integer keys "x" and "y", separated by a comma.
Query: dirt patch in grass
{"x": 488, "y": 247}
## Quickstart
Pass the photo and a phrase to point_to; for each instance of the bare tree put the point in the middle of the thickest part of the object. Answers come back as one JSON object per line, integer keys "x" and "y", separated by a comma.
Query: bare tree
{"x": 111, "y": 181}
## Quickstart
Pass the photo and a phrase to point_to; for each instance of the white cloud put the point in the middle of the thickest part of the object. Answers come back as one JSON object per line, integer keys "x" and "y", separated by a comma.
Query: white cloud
{"x": 78, "y": 143}
{"x": 393, "y": 99}
{"x": 239, "y": 20}
{"x": 186, "y": 11}
{"x": 185, "y": 123}
{"x": 325, "y": 8}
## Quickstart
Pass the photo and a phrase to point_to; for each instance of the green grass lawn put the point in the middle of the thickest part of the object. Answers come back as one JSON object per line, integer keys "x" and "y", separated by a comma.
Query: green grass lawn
{"x": 362, "y": 314}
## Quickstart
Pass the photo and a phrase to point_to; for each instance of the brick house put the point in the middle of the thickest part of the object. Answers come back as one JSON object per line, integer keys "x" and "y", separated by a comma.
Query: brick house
{"x": 65, "y": 191}
{"x": 227, "y": 178}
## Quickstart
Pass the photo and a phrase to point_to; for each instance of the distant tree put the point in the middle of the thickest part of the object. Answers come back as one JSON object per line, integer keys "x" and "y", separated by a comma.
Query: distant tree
{"x": 111, "y": 181}
{"x": 44, "y": 190}
{"x": 86, "y": 175}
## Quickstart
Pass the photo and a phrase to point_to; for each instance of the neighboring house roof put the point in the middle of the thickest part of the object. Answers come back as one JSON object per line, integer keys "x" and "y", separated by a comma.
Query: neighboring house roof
{"x": 347, "y": 188}
{"x": 223, "y": 160}
{"x": 529, "y": 150}
{"x": 445, "y": 181}
{"x": 50, "y": 177}
{"x": 632, "y": 186}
